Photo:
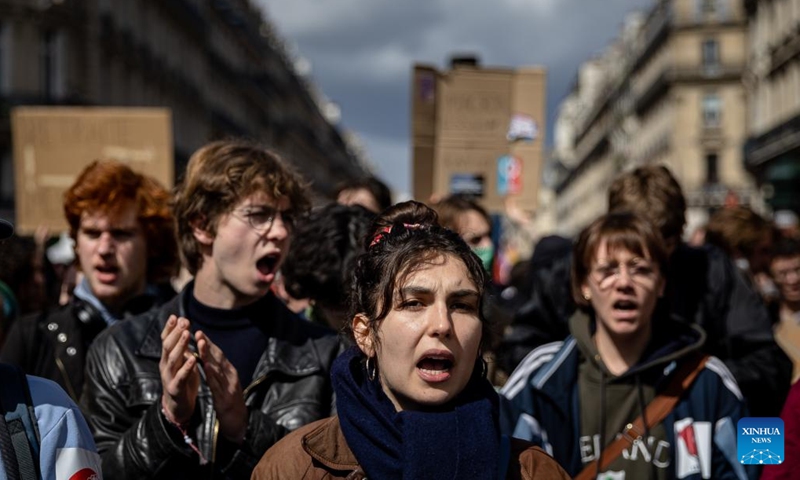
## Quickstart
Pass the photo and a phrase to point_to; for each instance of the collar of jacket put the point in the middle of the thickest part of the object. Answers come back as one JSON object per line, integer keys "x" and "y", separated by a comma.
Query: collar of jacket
{"x": 288, "y": 351}
{"x": 327, "y": 445}
{"x": 558, "y": 379}
{"x": 671, "y": 339}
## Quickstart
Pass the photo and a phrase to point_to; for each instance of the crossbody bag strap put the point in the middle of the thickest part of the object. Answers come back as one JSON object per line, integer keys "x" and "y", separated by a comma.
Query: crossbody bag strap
{"x": 656, "y": 411}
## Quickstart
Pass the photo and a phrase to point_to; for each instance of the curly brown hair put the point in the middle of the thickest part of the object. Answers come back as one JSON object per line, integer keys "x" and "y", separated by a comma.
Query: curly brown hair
{"x": 108, "y": 187}
{"x": 220, "y": 175}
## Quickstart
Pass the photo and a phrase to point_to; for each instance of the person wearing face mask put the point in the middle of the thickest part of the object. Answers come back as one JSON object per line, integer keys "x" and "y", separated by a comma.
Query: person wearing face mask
{"x": 469, "y": 219}
{"x": 628, "y": 394}
{"x": 411, "y": 399}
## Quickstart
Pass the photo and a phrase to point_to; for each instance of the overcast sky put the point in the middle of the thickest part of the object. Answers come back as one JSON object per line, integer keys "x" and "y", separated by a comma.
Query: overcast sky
{"x": 362, "y": 53}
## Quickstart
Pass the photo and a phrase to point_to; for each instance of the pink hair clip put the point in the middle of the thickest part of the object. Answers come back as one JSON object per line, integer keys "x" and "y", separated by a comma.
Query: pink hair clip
{"x": 379, "y": 236}
{"x": 387, "y": 230}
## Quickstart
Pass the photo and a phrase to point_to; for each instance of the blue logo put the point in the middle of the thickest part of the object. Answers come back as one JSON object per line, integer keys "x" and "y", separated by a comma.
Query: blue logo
{"x": 760, "y": 441}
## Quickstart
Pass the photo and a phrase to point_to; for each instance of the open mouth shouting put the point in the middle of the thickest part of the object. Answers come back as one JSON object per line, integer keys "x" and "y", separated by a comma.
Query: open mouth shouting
{"x": 267, "y": 266}
{"x": 436, "y": 366}
{"x": 625, "y": 308}
{"x": 106, "y": 273}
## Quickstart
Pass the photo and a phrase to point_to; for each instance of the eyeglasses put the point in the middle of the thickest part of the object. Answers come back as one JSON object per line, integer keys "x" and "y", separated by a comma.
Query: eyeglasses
{"x": 262, "y": 218}
{"x": 783, "y": 275}
{"x": 639, "y": 272}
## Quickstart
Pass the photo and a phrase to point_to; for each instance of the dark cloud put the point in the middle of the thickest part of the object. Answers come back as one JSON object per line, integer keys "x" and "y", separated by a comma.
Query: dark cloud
{"x": 363, "y": 51}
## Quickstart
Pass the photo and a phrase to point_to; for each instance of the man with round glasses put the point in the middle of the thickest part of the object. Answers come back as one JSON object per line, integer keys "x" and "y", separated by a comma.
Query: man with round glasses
{"x": 202, "y": 387}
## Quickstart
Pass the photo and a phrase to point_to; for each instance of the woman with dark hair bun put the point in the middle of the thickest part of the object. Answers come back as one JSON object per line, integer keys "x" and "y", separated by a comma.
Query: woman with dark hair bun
{"x": 412, "y": 398}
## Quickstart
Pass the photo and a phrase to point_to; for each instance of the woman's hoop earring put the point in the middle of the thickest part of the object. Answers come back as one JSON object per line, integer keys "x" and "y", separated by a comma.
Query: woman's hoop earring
{"x": 484, "y": 365}
{"x": 371, "y": 371}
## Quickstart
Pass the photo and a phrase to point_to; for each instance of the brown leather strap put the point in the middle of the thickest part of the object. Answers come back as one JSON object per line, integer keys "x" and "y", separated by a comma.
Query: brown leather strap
{"x": 655, "y": 412}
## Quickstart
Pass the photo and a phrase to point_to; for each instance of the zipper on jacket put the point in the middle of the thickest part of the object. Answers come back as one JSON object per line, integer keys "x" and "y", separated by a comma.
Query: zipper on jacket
{"x": 214, "y": 444}
{"x": 215, "y": 437}
{"x": 67, "y": 382}
{"x": 253, "y": 385}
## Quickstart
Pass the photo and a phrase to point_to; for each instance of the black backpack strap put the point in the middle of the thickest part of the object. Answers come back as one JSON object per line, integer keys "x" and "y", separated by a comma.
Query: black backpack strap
{"x": 20, "y": 422}
{"x": 7, "y": 449}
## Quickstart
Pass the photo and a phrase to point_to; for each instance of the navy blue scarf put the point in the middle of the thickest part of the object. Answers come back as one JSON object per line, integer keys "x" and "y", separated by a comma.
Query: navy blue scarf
{"x": 460, "y": 441}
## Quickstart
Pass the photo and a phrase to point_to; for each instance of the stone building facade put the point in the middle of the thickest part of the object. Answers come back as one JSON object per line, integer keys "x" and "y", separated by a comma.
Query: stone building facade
{"x": 219, "y": 66}
{"x": 772, "y": 152}
{"x": 668, "y": 90}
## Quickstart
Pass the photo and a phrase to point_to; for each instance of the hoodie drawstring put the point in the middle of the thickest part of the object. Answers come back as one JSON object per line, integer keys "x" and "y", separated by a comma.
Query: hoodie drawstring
{"x": 642, "y": 409}
{"x": 602, "y": 418}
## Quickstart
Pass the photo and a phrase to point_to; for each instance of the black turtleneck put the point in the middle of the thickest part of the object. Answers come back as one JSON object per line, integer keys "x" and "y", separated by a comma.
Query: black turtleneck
{"x": 241, "y": 333}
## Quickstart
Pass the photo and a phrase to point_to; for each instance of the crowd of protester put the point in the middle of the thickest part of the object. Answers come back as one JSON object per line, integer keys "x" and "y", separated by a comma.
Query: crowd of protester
{"x": 360, "y": 338}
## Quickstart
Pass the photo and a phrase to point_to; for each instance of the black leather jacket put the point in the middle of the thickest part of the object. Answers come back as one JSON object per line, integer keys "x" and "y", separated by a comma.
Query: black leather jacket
{"x": 53, "y": 344}
{"x": 122, "y": 398}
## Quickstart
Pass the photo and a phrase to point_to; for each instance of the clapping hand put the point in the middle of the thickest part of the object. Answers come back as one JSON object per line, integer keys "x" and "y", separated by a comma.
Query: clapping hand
{"x": 223, "y": 380}
{"x": 180, "y": 379}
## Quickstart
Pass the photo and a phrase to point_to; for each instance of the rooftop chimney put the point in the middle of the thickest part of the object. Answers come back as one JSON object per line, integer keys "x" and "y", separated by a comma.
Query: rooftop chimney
{"x": 467, "y": 60}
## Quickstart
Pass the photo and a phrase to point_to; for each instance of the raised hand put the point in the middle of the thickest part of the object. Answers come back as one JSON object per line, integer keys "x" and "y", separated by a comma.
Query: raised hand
{"x": 223, "y": 380}
{"x": 179, "y": 377}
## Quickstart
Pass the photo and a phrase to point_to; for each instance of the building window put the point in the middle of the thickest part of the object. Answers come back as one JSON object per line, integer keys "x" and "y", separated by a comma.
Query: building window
{"x": 6, "y": 178}
{"x": 710, "y": 53}
{"x": 47, "y": 52}
{"x": 708, "y": 6}
{"x": 5, "y": 58}
{"x": 712, "y": 110}
{"x": 712, "y": 169}
{"x": 52, "y": 64}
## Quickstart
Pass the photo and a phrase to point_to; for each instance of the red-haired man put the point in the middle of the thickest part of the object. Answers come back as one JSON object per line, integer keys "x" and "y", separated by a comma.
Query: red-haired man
{"x": 122, "y": 226}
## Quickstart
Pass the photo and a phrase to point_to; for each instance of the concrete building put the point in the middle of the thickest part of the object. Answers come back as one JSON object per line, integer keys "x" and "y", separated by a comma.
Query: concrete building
{"x": 772, "y": 152}
{"x": 478, "y": 131}
{"x": 669, "y": 91}
{"x": 219, "y": 66}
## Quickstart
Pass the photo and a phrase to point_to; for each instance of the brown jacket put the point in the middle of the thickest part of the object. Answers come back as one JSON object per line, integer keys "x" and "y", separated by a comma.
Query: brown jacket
{"x": 319, "y": 451}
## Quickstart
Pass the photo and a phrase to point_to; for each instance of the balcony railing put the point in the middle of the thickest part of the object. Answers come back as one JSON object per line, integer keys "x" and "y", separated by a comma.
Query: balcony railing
{"x": 670, "y": 74}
